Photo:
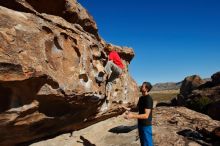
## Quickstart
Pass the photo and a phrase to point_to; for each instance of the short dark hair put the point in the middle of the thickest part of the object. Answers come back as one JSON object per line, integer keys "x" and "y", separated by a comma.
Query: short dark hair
{"x": 148, "y": 85}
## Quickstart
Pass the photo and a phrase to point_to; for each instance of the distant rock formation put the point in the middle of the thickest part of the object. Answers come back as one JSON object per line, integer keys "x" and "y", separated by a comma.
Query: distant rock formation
{"x": 172, "y": 85}
{"x": 50, "y": 53}
{"x": 166, "y": 86}
{"x": 200, "y": 95}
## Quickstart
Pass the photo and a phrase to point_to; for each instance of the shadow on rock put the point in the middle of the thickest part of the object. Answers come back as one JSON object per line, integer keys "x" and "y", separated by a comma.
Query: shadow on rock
{"x": 122, "y": 129}
{"x": 164, "y": 104}
{"x": 195, "y": 136}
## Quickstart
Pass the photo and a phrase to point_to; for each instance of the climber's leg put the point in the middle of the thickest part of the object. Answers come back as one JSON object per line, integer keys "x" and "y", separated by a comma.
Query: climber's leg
{"x": 101, "y": 77}
{"x": 116, "y": 71}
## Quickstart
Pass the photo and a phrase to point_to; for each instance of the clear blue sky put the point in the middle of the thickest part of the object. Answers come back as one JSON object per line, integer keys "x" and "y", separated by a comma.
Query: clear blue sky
{"x": 171, "y": 38}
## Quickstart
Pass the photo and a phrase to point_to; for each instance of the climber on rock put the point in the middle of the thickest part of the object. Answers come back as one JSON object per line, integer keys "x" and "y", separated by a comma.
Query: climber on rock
{"x": 113, "y": 70}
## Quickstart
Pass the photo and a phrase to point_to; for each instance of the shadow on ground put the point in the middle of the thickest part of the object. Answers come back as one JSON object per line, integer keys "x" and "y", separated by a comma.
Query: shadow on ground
{"x": 85, "y": 142}
{"x": 122, "y": 129}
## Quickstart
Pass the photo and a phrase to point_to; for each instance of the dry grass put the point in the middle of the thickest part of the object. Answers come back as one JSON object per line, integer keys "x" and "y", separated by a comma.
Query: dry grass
{"x": 166, "y": 95}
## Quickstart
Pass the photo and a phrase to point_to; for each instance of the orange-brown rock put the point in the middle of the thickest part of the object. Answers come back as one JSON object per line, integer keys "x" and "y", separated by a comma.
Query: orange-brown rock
{"x": 70, "y": 10}
{"x": 189, "y": 84}
{"x": 50, "y": 53}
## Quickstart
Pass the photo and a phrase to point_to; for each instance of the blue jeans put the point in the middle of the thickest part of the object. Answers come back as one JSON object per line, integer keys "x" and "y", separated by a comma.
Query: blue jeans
{"x": 145, "y": 134}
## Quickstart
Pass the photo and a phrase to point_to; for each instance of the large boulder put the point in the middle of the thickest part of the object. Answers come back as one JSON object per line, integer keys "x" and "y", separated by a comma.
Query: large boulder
{"x": 190, "y": 83}
{"x": 70, "y": 10}
{"x": 206, "y": 98}
{"x": 216, "y": 78}
{"x": 199, "y": 95}
{"x": 48, "y": 66}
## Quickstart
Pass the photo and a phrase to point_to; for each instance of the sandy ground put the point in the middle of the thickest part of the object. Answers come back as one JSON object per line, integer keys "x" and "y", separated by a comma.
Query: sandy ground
{"x": 116, "y": 131}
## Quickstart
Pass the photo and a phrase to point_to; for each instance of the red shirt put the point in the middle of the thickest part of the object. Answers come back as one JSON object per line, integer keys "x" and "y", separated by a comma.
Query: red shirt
{"x": 116, "y": 59}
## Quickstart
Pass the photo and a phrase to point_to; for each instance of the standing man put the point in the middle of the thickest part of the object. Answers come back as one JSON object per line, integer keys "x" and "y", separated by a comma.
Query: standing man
{"x": 145, "y": 106}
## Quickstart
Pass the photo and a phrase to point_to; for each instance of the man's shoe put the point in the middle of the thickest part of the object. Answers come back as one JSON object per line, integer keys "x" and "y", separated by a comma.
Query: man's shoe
{"x": 99, "y": 79}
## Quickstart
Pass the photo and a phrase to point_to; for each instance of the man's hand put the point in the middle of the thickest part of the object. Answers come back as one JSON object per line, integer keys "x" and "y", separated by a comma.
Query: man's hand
{"x": 128, "y": 115}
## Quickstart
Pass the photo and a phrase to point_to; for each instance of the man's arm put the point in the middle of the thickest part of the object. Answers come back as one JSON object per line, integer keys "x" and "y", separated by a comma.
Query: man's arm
{"x": 131, "y": 109}
{"x": 139, "y": 116}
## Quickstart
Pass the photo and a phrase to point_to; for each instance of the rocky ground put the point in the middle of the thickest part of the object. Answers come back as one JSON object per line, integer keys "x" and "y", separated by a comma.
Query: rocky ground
{"x": 172, "y": 126}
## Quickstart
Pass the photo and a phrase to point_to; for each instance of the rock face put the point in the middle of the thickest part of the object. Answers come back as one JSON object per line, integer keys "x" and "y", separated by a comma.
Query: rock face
{"x": 216, "y": 78}
{"x": 172, "y": 126}
{"x": 213, "y": 109}
{"x": 50, "y": 53}
{"x": 69, "y": 10}
{"x": 201, "y": 96}
{"x": 189, "y": 84}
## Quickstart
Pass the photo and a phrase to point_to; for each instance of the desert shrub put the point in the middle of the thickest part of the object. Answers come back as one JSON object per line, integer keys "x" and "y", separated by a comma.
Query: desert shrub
{"x": 198, "y": 104}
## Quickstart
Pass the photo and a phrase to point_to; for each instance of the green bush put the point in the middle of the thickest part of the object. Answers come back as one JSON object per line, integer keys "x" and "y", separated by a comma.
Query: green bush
{"x": 198, "y": 104}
